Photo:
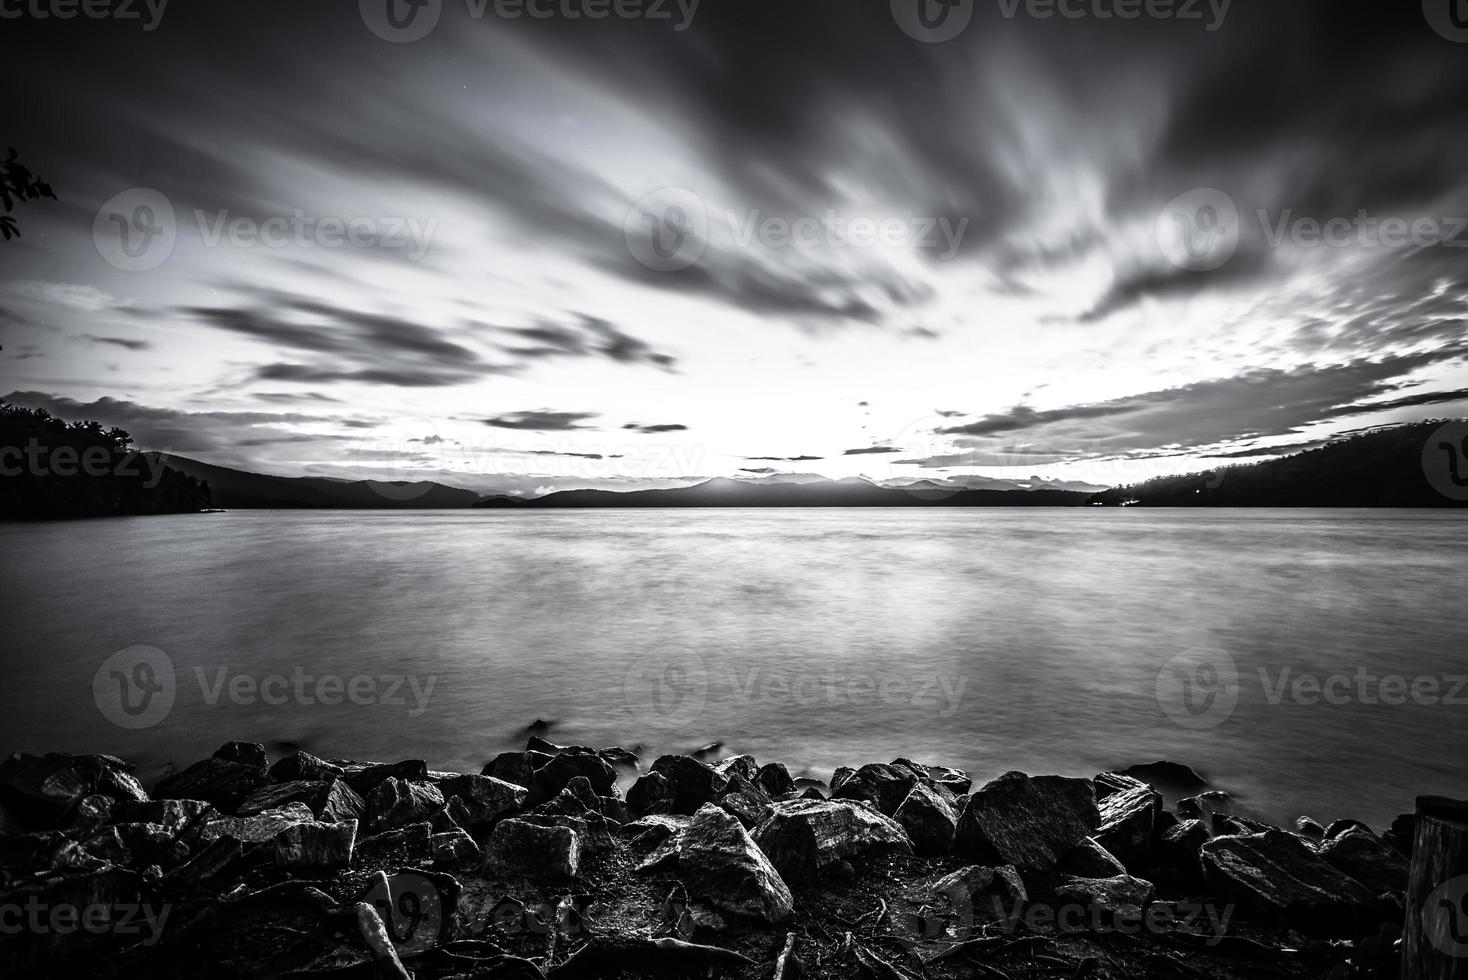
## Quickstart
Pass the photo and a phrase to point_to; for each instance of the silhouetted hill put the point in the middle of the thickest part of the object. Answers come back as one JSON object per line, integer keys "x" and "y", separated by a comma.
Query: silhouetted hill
{"x": 1384, "y": 468}
{"x": 243, "y": 490}
{"x": 722, "y": 492}
{"x": 52, "y": 469}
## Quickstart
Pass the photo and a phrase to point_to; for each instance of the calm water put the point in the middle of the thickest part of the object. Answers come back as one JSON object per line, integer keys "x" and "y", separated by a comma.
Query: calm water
{"x": 986, "y": 639}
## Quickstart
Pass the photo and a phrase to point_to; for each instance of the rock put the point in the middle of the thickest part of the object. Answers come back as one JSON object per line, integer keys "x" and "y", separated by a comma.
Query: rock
{"x": 692, "y": 782}
{"x": 1180, "y": 847}
{"x": 485, "y": 799}
{"x": 552, "y": 777}
{"x": 516, "y": 767}
{"x": 221, "y": 782}
{"x": 247, "y": 753}
{"x": 1204, "y": 805}
{"x": 929, "y": 820}
{"x": 364, "y": 779}
{"x": 1129, "y": 817}
{"x": 746, "y": 807}
{"x": 1341, "y": 826}
{"x": 977, "y": 880}
{"x": 93, "y": 811}
{"x": 258, "y": 828}
{"x": 620, "y": 757}
{"x": 172, "y": 815}
{"x": 400, "y": 802}
{"x": 1120, "y": 897}
{"x": 651, "y": 830}
{"x": 652, "y": 793}
{"x": 883, "y": 786}
{"x": 804, "y": 837}
{"x": 1402, "y": 833}
{"x": 1169, "y": 777}
{"x": 332, "y": 801}
{"x": 45, "y": 789}
{"x": 550, "y": 853}
{"x": 1306, "y": 827}
{"x": 1027, "y": 822}
{"x": 719, "y": 861}
{"x": 1088, "y": 859}
{"x": 406, "y": 845}
{"x": 150, "y": 843}
{"x": 304, "y": 766}
{"x": 738, "y": 767}
{"x": 775, "y": 780}
{"x": 455, "y": 847}
{"x": 317, "y": 844}
{"x": 1277, "y": 872}
{"x": 811, "y": 793}
{"x": 1368, "y": 859}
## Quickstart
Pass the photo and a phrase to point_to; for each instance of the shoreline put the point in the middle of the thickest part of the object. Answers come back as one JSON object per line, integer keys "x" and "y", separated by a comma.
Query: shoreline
{"x": 540, "y": 865}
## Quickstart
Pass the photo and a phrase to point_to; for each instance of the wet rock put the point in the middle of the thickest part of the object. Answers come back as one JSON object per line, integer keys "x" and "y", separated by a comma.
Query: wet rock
{"x": 652, "y": 793}
{"x": 1401, "y": 833}
{"x": 1129, "y": 814}
{"x": 1204, "y": 805}
{"x": 654, "y": 829}
{"x": 93, "y": 810}
{"x": 406, "y": 845}
{"x": 247, "y": 753}
{"x": 455, "y": 847}
{"x": 883, "y": 786}
{"x": 979, "y": 879}
{"x": 1306, "y": 827}
{"x": 1368, "y": 859}
{"x": 364, "y": 779}
{"x": 516, "y": 767}
{"x": 720, "y": 863}
{"x": 172, "y": 815}
{"x": 314, "y": 844}
{"x": 1277, "y": 872}
{"x": 746, "y": 807}
{"x": 954, "y": 781}
{"x": 45, "y": 789}
{"x": 149, "y": 843}
{"x": 1120, "y": 897}
{"x": 738, "y": 767}
{"x": 400, "y": 802}
{"x": 928, "y": 818}
{"x": 1341, "y": 826}
{"x": 803, "y": 837}
{"x": 811, "y": 793}
{"x": 255, "y": 829}
{"x": 304, "y": 766}
{"x": 1027, "y": 822}
{"x": 552, "y": 777}
{"x": 549, "y": 853}
{"x": 620, "y": 757}
{"x": 484, "y": 799}
{"x": 332, "y": 801}
{"x": 217, "y": 781}
{"x": 775, "y": 780}
{"x": 1181, "y": 845}
{"x": 1089, "y": 859}
{"x": 693, "y": 783}
{"x": 1169, "y": 777}
{"x": 579, "y": 799}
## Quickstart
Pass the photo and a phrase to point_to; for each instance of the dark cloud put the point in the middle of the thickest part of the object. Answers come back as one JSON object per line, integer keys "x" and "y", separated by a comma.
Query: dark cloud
{"x": 663, "y": 427}
{"x": 588, "y": 336}
{"x": 871, "y": 451}
{"x": 758, "y": 470}
{"x": 122, "y": 342}
{"x": 541, "y": 421}
{"x": 783, "y": 459}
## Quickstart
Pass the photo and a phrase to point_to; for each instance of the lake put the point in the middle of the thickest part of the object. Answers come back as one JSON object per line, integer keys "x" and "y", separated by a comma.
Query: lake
{"x": 1306, "y": 661}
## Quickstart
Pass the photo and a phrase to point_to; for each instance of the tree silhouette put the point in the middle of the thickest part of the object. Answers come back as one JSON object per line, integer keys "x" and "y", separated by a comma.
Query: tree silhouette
{"x": 17, "y": 184}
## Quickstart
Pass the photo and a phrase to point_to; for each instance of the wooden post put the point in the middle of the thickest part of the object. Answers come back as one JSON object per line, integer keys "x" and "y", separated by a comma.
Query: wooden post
{"x": 1435, "y": 935}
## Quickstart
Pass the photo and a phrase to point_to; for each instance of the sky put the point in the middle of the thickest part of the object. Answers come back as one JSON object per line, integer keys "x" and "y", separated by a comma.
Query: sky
{"x": 529, "y": 245}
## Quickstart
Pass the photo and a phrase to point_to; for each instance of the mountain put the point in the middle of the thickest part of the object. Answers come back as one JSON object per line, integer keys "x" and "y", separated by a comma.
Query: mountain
{"x": 850, "y": 492}
{"x": 239, "y": 489}
{"x": 1396, "y": 467}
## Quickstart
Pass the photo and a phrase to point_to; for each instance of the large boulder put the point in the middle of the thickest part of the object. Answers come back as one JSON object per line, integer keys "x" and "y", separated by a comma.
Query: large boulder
{"x": 883, "y": 786}
{"x": 1367, "y": 858}
{"x": 304, "y": 766}
{"x": 550, "y": 853}
{"x": 693, "y": 783}
{"x": 1089, "y": 859}
{"x": 249, "y": 753}
{"x": 1025, "y": 821}
{"x": 333, "y": 801}
{"x": 1120, "y": 897}
{"x": 1130, "y": 811}
{"x": 484, "y": 799}
{"x": 552, "y": 777}
{"x": 400, "y": 802}
{"x": 364, "y": 778}
{"x": 224, "y": 783}
{"x": 775, "y": 780}
{"x": 288, "y": 836}
{"x": 803, "y": 837}
{"x": 45, "y": 790}
{"x": 928, "y": 818}
{"x": 721, "y": 865}
{"x": 652, "y": 793}
{"x": 1277, "y": 873}
{"x": 516, "y": 767}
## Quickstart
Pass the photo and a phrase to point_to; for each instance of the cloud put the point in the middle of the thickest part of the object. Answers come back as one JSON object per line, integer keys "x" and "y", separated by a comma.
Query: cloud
{"x": 588, "y": 336}
{"x": 759, "y": 470}
{"x": 541, "y": 421}
{"x": 664, "y": 427}
{"x": 120, "y": 342}
{"x": 871, "y": 451}
{"x": 783, "y": 459}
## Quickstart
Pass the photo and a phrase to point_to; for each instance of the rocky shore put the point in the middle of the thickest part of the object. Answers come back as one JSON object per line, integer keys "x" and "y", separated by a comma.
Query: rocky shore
{"x": 542, "y": 865}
